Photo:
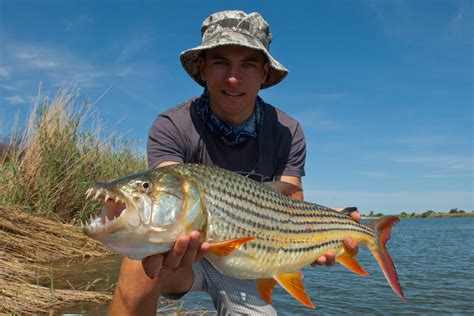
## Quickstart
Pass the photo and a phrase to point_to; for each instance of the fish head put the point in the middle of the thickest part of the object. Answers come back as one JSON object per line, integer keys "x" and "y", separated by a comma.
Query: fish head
{"x": 144, "y": 214}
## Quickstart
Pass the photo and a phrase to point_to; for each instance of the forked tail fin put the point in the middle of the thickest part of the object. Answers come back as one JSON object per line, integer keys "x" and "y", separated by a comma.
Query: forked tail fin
{"x": 383, "y": 227}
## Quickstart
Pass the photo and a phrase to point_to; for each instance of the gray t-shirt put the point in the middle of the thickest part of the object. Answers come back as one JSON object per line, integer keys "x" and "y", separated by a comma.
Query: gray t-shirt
{"x": 179, "y": 135}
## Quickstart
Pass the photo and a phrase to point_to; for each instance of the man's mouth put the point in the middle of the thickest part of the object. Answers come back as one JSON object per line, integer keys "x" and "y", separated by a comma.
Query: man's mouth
{"x": 233, "y": 94}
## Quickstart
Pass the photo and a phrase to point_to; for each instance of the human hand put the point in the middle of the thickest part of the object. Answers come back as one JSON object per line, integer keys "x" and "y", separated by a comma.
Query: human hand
{"x": 186, "y": 250}
{"x": 329, "y": 259}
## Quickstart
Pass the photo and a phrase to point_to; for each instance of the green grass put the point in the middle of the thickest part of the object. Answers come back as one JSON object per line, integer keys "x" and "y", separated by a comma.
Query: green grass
{"x": 47, "y": 167}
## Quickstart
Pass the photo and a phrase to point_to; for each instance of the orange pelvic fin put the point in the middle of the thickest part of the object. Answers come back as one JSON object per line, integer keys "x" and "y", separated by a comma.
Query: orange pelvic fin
{"x": 224, "y": 248}
{"x": 292, "y": 283}
{"x": 265, "y": 289}
{"x": 383, "y": 227}
{"x": 347, "y": 259}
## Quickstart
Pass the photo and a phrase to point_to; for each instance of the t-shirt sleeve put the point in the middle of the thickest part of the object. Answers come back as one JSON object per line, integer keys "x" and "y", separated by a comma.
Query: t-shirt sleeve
{"x": 163, "y": 143}
{"x": 294, "y": 165}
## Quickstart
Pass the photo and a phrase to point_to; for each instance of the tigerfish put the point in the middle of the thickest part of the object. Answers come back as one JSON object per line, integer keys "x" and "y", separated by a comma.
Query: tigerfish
{"x": 254, "y": 230}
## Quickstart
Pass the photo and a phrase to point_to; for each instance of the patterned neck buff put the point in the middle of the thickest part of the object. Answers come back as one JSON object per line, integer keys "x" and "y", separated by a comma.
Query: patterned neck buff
{"x": 231, "y": 134}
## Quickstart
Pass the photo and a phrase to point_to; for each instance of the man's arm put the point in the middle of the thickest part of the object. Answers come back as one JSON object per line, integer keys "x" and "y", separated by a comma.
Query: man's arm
{"x": 142, "y": 282}
{"x": 295, "y": 181}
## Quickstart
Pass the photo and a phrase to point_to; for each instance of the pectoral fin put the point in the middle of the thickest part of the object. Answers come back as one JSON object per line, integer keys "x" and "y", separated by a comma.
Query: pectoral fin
{"x": 224, "y": 248}
{"x": 292, "y": 283}
{"x": 265, "y": 289}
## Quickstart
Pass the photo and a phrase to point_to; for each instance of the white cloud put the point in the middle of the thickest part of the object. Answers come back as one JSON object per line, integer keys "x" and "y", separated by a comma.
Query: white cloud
{"x": 317, "y": 120}
{"x": 3, "y": 72}
{"x": 450, "y": 162}
{"x": 429, "y": 140}
{"x": 460, "y": 26}
{"x": 133, "y": 46}
{"x": 15, "y": 100}
{"x": 59, "y": 66}
{"x": 73, "y": 24}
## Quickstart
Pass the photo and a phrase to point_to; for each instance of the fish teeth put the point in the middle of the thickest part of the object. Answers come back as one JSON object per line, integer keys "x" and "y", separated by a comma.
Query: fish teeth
{"x": 107, "y": 196}
{"x": 117, "y": 199}
{"x": 97, "y": 194}
{"x": 88, "y": 193}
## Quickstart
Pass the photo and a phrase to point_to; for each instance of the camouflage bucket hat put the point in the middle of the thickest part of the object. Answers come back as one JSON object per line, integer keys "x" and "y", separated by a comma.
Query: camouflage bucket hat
{"x": 234, "y": 28}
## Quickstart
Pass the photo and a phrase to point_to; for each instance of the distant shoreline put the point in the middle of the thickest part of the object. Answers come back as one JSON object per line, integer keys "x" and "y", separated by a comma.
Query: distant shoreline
{"x": 424, "y": 215}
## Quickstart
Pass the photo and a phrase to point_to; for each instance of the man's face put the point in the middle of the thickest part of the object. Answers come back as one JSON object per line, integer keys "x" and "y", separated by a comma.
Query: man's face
{"x": 233, "y": 75}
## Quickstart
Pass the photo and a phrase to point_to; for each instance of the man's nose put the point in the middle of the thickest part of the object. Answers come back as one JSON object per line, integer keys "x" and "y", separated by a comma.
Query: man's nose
{"x": 233, "y": 75}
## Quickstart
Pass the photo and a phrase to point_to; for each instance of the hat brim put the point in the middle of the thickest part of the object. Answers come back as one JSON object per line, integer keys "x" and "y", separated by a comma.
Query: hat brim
{"x": 190, "y": 58}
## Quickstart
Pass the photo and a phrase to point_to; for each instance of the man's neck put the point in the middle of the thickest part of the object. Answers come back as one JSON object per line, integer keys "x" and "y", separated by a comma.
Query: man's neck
{"x": 234, "y": 119}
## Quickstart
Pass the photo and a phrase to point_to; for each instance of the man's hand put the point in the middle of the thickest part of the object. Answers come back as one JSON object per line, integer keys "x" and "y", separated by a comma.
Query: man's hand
{"x": 329, "y": 259}
{"x": 187, "y": 250}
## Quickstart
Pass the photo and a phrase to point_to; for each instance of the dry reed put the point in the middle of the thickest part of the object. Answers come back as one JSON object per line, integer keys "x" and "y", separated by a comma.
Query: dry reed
{"x": 45, "y": 170}
{"x": 29, "y": 244}
{"x": 48, "y": 166}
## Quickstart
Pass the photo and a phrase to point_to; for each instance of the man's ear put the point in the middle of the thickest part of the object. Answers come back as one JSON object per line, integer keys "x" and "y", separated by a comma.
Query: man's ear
{"x": 202, "y": 65}
{"x": 266, "y": 70}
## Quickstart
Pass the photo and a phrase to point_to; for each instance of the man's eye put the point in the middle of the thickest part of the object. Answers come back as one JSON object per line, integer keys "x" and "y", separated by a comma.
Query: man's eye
{"x": 220, "y": 62}
{"x": 248, "y": 65}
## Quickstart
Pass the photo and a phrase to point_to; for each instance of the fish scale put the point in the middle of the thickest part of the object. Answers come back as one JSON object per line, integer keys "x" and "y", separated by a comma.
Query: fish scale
{"x": 254, "y": 231}
{"x": 289, "y": 232}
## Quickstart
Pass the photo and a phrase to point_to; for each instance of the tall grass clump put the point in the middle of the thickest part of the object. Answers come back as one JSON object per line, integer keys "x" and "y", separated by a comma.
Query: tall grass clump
{"x": 47, "y": 167}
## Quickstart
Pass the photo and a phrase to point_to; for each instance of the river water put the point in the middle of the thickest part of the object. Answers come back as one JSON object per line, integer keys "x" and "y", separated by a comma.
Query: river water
{"x": 434, "y": 259}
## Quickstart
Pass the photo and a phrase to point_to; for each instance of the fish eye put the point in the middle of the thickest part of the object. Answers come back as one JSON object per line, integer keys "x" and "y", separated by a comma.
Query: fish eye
{"x": 142, "y": 185}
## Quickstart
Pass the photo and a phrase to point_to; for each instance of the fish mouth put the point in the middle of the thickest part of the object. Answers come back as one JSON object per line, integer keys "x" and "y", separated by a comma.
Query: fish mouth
{"x": 114, "y": 207}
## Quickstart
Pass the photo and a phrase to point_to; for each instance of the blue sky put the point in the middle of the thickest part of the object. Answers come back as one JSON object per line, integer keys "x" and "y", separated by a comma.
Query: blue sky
{"x": 383, "y": 89}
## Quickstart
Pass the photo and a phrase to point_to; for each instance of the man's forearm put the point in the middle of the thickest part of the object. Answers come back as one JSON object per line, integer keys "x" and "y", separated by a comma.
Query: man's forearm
{"x": 136, "y": 293}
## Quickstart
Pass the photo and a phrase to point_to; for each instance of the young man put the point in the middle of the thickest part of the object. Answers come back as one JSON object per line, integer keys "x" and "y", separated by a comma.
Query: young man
{"x": 229, "y": 126}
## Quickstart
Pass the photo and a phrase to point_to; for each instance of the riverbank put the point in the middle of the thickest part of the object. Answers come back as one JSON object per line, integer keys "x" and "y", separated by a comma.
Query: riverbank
{"x": 40, "y": 259}
{"x": 29, "y": 245}
{"x": 423, "y": 215}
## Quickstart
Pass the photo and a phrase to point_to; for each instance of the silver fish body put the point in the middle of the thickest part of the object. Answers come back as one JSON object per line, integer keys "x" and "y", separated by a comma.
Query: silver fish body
{"x": 275, "y": 236}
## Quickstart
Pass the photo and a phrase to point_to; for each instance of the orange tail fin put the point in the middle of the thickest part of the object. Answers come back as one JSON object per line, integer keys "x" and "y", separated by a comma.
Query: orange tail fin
{"x": 383, "y": 227}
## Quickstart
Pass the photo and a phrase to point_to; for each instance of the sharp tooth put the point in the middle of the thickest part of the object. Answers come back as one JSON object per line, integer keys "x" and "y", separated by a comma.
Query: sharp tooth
{"x": 117, "y": 199}
{"x": 88, "y": 193}
{"x": 107, "y": 196}
{"x": 97, "y": 194}
{"x": 106, "y": 220}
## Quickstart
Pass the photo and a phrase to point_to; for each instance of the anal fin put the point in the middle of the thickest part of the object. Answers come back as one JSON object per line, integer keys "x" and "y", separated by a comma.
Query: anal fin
{"x": 292, "y": 283}
{"x": 265, "y": 289}
{"x": 347, "y": 259}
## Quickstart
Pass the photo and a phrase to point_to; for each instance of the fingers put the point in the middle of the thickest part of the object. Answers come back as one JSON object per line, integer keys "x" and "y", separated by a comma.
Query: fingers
{"x": 187, "y": 250}
{"x": 355, "y": 215}
{"x": 189, "y": 256}
{"x": 328, "y": 259}
{"x": 203, "y": 250}
{"x": 181, "y": 255}
{"x": 152, "y": 265}
{"x": 350, "y": 245}
{"x": 353, "y": 212}
{"x": 174, "y": 256}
